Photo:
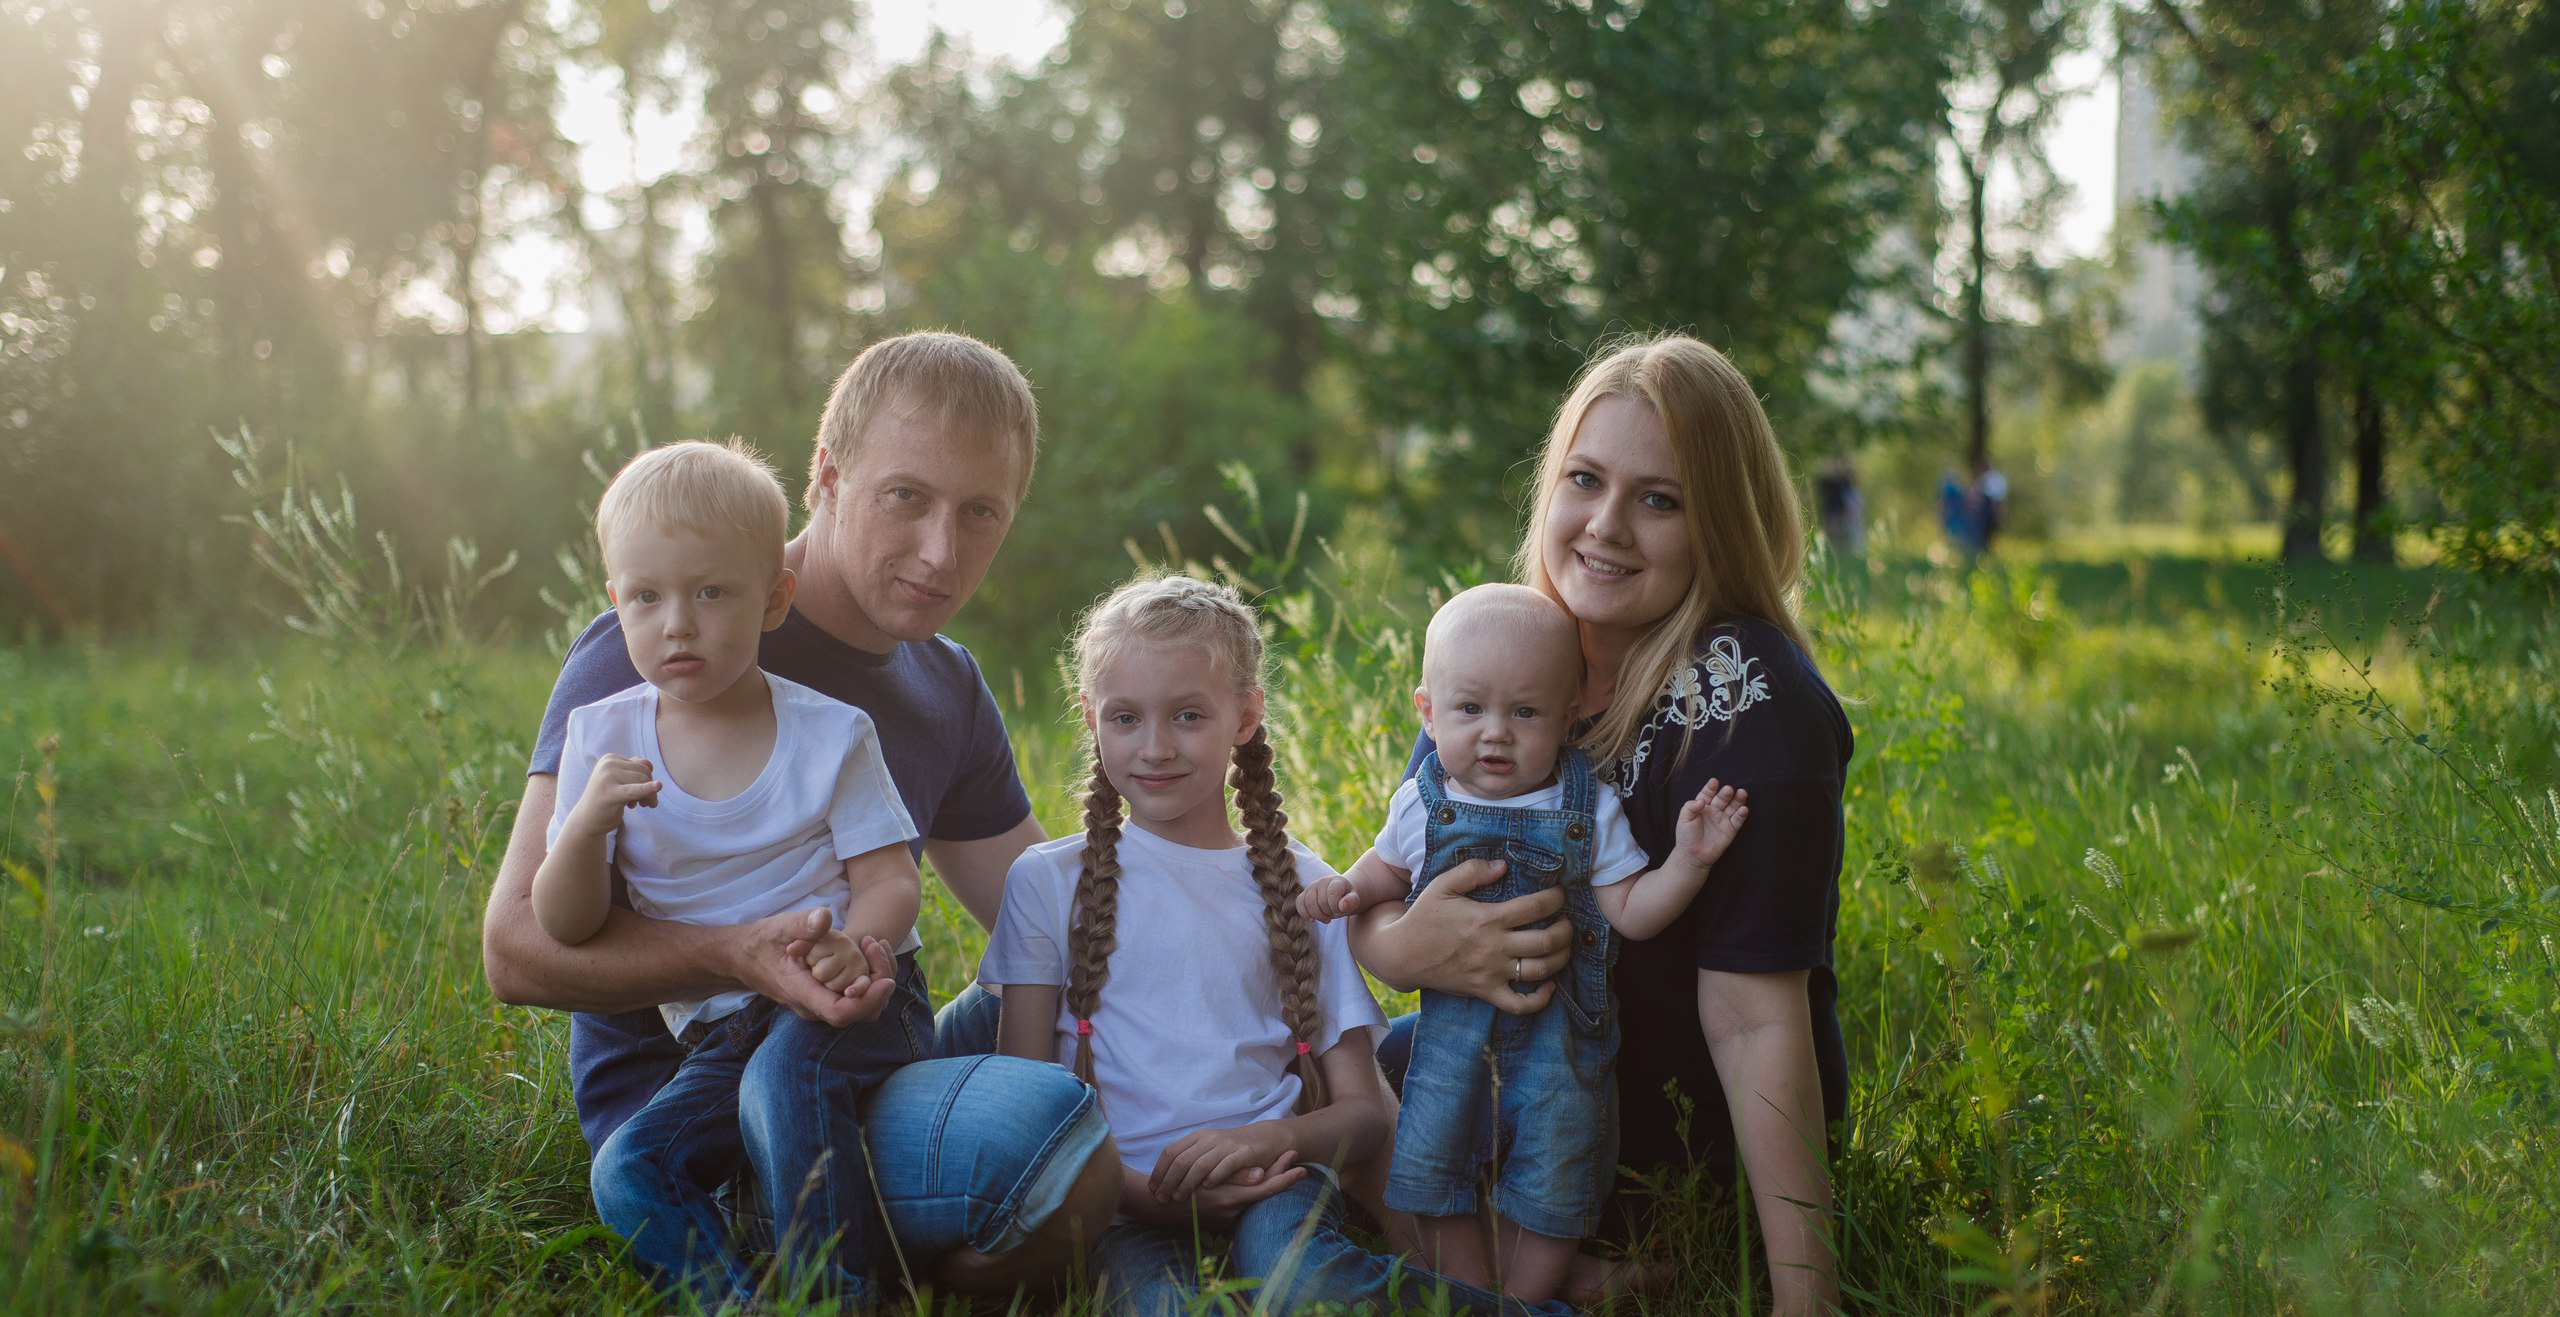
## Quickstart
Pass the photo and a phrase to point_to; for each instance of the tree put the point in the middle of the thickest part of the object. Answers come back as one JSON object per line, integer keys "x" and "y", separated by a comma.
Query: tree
{"x": 2002, "y": 98}
{"x": 1522, "y": 177}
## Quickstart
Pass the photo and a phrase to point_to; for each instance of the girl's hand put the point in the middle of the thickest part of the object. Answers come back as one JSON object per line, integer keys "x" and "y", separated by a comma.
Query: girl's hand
{"x": 1707, "y": 824}
{"x": 1204, "y": 1158}
{"x": 1221, "y": 1204}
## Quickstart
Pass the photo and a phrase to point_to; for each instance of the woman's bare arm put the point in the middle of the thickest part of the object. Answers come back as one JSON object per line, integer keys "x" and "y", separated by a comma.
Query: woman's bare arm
{"x": 1759, "y": 1029}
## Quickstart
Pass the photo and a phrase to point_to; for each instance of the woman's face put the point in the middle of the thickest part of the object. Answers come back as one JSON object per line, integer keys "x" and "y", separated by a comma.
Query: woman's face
{"x": 1616, "y": 542}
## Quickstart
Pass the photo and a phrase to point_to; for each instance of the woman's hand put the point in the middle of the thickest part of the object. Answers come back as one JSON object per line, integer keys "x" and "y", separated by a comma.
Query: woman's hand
{"x": 1204, "y": 1158}
{"x": 1447, "y": 942}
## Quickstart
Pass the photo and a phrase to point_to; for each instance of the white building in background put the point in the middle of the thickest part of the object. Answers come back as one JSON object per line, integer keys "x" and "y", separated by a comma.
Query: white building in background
{"x": 2163, "y": 287}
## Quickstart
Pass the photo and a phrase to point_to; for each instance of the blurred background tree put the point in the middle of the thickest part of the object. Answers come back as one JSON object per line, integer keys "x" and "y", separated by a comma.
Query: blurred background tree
{"x": 1357, "y": 246}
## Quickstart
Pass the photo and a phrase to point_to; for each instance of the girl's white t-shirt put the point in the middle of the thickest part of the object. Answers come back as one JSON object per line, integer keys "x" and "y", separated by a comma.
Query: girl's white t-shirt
{"x": 824, "y": 797}
{"x": 1188, "y": 1034}
{"x": 1616, "y": 858}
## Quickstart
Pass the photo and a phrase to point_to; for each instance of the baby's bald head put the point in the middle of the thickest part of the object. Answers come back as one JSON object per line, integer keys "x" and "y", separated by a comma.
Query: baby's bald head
{"x": 1509, "y": 626}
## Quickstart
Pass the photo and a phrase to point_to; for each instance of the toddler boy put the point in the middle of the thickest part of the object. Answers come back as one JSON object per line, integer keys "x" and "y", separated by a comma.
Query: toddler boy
{"x": 1501, "y": 670}
{"x": 756, "y": 796}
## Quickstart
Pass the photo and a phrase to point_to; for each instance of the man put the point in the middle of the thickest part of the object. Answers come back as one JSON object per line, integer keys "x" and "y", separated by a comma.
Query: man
{"x": 924, "y": 455}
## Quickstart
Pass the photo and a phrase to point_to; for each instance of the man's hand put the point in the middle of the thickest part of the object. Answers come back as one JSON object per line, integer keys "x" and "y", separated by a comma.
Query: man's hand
{"x": 1330, "y": 898}
{"x": 618, "y": 783}
{"x": 770, "y": 958}
{"x": 1204, "y": 1158}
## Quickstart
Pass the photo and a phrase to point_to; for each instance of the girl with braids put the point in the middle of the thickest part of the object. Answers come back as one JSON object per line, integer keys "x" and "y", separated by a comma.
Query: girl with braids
{"x": 1229, "y": 1039}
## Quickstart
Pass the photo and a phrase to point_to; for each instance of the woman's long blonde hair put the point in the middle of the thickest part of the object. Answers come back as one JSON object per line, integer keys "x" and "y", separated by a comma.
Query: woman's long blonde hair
{"x": 1746, "y": 530}
{"x": 1196, "y": 614}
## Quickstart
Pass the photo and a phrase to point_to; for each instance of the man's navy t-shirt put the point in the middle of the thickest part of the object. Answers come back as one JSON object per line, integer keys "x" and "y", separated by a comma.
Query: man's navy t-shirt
{"x": 940, "y": 734}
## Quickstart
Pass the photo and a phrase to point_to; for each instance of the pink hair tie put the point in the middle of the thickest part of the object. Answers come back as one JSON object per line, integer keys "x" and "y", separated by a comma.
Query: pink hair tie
{"x": 1304, "y": 1048}
{"x": 1084, "y": 1028}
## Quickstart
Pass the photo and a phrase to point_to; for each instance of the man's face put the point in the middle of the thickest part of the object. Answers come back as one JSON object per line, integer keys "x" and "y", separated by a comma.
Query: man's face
{"x": 909, "y": 526}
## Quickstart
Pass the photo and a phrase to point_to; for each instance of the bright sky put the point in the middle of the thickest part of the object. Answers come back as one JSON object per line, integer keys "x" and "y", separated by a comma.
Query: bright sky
{"x": 1020, "y": 33}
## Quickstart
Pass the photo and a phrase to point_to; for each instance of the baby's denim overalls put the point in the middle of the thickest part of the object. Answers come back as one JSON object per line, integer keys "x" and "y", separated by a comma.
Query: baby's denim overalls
{"x": 1537, "y": 1091}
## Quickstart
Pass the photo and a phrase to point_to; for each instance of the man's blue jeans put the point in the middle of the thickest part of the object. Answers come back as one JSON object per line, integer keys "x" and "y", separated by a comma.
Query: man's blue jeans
{"x": 1287, "y": 1252}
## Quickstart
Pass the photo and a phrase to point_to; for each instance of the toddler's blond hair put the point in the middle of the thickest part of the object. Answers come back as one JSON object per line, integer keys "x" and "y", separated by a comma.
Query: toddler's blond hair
{"x": 716, "y": 489}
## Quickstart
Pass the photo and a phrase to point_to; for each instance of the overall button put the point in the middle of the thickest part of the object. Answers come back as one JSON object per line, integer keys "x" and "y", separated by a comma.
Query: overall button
{"x": 1448, "y": 815}
{"x": 1590, "y": 938}
{"x": 1576, "y": 829}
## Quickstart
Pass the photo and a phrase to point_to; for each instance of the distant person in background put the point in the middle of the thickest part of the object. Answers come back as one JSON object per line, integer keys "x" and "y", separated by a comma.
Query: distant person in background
{"x": 1955, "y": 513}
{"x": 1986, "y": 504}
{"x": 1842, "y": 507}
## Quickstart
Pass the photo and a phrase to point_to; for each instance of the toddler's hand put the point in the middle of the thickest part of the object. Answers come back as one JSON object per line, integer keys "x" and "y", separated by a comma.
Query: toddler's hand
{"x": 1328, "y": 899}
{"x": 618, "y": 783}
{"x": 836, "y": 960}
{"x": 1707, "y": 824}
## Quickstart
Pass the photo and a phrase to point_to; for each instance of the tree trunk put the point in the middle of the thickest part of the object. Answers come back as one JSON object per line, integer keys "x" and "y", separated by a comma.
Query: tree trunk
{"x": 1977, "y": 325}
{"x": 775, "y": 250}
{"x": 2307, "y": 503}
{"x": 2373, "y": 535}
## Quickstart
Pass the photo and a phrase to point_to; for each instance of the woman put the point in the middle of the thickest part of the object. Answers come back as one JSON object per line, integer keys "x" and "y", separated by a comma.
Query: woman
{"x": 1665, "y": 520}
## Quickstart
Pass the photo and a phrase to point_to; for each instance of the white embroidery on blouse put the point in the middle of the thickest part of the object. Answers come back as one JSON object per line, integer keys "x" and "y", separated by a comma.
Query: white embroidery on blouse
{"x": 1732, "y": 684}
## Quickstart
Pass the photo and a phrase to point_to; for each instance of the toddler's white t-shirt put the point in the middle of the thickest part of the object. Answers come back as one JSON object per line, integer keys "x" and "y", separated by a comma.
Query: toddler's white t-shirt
{"x": 1188, "y": 1034}
{"x": 1615, "y": 858}
{"x": 824, "y": 797}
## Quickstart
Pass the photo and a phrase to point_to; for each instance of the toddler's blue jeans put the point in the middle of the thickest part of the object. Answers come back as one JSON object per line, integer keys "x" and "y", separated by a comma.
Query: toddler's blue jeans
{"x": 769, "y": 1092}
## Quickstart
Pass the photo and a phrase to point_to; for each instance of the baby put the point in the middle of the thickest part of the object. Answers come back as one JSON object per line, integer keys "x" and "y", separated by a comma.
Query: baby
{"x": 1501, "y": 669}
{"x": 758, "y": 796}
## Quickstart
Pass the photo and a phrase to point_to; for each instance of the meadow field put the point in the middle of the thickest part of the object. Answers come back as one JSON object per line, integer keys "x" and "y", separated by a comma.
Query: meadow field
{"x": 2197, "y": 948}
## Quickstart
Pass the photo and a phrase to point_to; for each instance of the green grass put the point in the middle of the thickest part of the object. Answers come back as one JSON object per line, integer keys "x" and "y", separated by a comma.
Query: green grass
{"x": 2178, "y": 976}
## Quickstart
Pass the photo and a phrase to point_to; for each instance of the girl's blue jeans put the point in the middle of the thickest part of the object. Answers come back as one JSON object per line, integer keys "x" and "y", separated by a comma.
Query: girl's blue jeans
{"x": 1288, "y": 1252}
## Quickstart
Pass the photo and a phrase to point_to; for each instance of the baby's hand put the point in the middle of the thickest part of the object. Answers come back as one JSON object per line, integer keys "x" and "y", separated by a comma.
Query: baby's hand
{"x": 618, "y": 783}
{"x": 1708, "y": 823}
{"x": 1328, "y": 898}
{"x": 836, "y": 960}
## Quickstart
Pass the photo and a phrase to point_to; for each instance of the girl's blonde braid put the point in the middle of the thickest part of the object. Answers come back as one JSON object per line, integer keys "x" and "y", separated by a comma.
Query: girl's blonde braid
{"x": 1275, "y": 871}
{"x": 1095, "y": 932}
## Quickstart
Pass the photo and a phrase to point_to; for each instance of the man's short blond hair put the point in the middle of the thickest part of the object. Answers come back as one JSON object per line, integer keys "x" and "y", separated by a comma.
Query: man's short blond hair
{"x": 715, "y": 489}
{"x": 965, "y": 386}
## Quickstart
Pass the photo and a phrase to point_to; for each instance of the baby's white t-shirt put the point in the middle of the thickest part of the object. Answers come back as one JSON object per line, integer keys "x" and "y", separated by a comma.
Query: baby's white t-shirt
{"x": 824, "y": 797}
{"x": 1616, "y": 856}
{"x": 1188, "y": 1033}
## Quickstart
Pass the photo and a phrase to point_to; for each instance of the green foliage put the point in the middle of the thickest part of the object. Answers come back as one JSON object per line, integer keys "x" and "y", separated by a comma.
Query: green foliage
{"x": 2376, "y": 213}
{"x": 1721, "y": 170}
{"x": 2178, "y": 975}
